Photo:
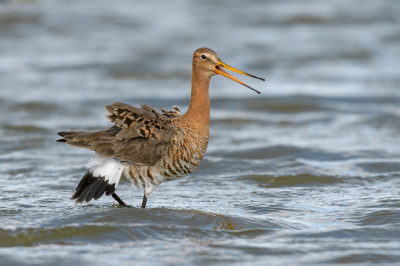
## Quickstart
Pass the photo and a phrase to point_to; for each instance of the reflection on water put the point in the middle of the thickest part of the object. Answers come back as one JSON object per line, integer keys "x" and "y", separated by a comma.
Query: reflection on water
{"x": 227, "y": 225}
{"x": 305, "y": 173}
{"x": 221, "y": 222}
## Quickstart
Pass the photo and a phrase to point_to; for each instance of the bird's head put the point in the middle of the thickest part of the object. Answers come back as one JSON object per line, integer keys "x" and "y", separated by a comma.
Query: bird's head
{"x": 207, "y": 62}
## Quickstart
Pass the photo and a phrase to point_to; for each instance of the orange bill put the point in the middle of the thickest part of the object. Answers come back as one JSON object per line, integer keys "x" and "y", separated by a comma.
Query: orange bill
{"x": 218, "y": 69}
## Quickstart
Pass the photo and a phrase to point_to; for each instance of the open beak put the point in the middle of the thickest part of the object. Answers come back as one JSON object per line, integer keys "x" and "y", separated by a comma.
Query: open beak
{"x": 218, "y": 69}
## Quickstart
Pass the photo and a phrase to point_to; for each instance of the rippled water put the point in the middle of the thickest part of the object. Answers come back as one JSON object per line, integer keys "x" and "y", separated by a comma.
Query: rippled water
{"x": 308, "y": 172}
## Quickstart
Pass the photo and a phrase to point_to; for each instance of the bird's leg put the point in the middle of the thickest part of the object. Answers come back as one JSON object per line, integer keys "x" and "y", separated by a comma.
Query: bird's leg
{"x": 144, "y": 201}
{"x": 118, "y": 199}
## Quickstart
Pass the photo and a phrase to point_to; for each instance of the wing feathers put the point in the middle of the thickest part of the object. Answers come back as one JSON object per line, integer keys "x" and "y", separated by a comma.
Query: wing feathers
{"x": 139, "y": 135}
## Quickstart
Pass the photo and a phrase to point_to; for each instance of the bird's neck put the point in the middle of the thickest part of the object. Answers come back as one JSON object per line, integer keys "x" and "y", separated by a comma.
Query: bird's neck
{"x": 199, "y": 108}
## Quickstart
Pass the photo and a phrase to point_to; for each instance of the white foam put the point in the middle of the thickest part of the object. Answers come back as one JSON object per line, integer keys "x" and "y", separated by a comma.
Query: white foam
{"x": 109, "y": 168}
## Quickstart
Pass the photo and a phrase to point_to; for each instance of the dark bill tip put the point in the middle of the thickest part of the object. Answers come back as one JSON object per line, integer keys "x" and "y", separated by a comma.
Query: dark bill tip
{"x": 255, "y": 77}
{"x": 253, "y": 89}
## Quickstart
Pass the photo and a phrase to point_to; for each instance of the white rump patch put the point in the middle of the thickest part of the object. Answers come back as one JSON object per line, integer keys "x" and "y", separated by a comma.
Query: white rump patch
{"x": 109, "y": 168}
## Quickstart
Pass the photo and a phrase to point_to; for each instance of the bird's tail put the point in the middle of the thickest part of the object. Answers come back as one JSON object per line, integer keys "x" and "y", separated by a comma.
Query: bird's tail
{"x": 103, "y": 177}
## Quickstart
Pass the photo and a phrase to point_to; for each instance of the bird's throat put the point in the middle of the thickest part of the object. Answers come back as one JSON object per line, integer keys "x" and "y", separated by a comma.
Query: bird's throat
{"x": 199, "y": 108}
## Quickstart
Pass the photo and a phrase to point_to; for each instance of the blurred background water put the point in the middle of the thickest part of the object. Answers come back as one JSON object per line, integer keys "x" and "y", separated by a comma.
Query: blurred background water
{"x": 308, "y": 172}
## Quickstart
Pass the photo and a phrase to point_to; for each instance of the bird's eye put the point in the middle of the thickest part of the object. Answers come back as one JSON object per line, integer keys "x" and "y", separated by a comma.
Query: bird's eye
{"x": 203, "y": 56}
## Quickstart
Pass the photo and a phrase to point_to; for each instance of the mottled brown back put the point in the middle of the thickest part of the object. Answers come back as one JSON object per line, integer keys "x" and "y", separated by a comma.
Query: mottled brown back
{"x": 140, "y": 135}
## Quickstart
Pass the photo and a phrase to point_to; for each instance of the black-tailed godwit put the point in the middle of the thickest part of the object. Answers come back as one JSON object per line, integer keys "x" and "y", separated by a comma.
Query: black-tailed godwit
{"x": 146, "y": 146}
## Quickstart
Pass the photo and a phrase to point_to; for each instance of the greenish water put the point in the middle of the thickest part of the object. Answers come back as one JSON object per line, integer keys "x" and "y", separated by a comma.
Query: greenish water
{"x": 307, "y": 173}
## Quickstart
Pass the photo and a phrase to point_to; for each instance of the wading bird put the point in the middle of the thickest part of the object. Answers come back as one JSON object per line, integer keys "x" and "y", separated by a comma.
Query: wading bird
{"x": 146, "y": 146}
